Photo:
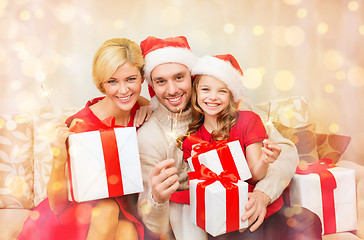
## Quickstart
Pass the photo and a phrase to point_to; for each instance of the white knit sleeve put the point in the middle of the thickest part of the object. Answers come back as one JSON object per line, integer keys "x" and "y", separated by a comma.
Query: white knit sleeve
{"x": 151, "y": 151}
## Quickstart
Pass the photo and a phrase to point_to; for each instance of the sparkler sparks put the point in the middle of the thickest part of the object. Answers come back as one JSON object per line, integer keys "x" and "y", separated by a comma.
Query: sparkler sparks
{"x": 173, "y": 117}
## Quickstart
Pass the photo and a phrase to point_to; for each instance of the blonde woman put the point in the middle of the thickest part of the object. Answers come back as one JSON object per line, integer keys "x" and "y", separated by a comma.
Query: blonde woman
{"x": 117, "y": 73}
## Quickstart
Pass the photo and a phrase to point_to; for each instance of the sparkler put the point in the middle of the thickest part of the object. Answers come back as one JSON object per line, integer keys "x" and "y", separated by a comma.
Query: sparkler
{"x": 46, "y": 95}
{"x": 269, "y": 122}
{"x": 173, "y": 117}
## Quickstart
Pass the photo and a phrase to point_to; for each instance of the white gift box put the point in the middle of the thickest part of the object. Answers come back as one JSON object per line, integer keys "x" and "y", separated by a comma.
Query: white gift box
{"x": 215, "y": 206}
{"x": 305, "y": 190}
{"x": 211, "y": 160}
{"x": 88, "y": 176}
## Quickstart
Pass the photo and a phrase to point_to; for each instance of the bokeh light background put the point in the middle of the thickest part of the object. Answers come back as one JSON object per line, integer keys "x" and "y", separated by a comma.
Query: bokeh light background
{"x": 311, "y": 48}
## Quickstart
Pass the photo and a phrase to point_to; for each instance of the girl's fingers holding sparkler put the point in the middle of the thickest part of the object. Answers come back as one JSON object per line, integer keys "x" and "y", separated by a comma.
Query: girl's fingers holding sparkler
{"x": 270, "y": 151}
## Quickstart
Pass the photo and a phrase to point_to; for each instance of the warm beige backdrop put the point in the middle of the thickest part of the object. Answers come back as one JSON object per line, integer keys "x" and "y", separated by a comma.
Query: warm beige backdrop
{"x": 310, "y": 48}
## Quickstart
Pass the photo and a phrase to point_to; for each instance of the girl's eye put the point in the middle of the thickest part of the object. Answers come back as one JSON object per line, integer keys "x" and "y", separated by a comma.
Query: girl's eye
{"x": 111, "y": 81}
{"x": 131, "y": 79}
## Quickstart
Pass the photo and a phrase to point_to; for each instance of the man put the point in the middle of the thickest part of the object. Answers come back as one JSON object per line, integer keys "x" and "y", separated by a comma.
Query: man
{"x": 167, "y": 71}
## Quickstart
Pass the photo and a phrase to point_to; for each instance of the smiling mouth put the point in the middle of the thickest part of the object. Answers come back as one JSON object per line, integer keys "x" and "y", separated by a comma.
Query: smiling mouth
{"x": 212, "y": 104}
{"x": 175, "y": 100}
{"x": 124, "y": 99}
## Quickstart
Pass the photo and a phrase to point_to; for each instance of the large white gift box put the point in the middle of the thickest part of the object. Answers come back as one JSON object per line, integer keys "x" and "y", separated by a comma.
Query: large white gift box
{"x": 104, "y": 164}
{"x": 222, "y": 156}
{"x": 211, "y": 211}
{"x": 336, "y": 206}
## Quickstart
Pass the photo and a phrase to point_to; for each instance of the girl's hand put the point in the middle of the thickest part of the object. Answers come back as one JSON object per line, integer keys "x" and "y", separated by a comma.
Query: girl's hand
{"x": 142, "y": 115}
{"x": 59, "y": 149}
{"x": 270, "y": 151}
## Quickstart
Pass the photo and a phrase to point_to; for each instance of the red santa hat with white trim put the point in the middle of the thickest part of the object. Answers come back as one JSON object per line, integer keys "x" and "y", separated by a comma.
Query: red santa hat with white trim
{"x": 157, "y": 51}
{"x": 225, "y": 68}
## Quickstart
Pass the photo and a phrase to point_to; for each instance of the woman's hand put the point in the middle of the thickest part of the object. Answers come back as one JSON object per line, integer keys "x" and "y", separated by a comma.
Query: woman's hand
{"x": 142, "y": 115}
{"x": 59, "y": 149}
{"x": 270, "y": 151}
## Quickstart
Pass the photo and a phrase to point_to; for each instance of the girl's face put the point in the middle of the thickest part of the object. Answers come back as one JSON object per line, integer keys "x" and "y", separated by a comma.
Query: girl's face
{"x": 124, "y": 86}
{"x": 213, "y": 96}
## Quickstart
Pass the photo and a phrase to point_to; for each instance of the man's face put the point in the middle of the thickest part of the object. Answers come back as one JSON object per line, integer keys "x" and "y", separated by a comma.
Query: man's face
{"x": 172, "y": 85}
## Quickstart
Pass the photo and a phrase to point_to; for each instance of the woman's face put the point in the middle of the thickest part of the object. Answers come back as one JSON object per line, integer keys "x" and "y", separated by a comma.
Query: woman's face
{"x": 124, "y": 86}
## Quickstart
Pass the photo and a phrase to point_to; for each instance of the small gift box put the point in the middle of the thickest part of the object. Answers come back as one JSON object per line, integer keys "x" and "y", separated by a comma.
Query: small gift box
{"x": 104, "y": 164}
{"x": 328, "y": 191}
{"x": 219, "y": 156}
{"x": 217, "y": 201}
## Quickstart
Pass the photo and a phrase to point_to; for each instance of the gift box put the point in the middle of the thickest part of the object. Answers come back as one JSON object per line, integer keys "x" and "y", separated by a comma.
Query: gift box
{"x": 104, "y": 164}
{"x": 220, "y": 156}
{"x": 329, "y": 192}
{"x": 217, "y": 201}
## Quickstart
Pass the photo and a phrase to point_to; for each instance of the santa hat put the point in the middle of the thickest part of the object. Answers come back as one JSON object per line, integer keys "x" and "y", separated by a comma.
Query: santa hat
{"x": 225, "y": 68}
{"x": 157, "y": 51}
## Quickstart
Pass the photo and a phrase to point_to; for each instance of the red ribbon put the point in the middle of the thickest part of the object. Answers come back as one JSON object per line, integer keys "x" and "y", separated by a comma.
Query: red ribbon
{"x": 328, "y": 184}
{"x": 232, "y": 196}
{"x": 223, "y": 151}
{"x": 82, "y": 126}
{"x": 110, "y": 151}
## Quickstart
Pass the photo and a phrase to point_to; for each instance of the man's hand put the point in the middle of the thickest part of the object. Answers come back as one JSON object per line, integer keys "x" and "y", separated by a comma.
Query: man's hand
{"x": 256, "y": 209}
{"x": 164, "y": 180}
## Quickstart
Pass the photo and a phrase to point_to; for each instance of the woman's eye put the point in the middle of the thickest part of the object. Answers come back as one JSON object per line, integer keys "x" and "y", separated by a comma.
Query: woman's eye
{"x": 111, "y": 81}
{"x": 131, "y": 79}
{"x": 204, "y": 89}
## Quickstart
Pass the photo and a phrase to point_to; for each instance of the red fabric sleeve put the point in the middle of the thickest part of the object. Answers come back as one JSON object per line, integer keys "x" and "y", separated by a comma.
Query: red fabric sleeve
{"x": 250, "y": 128}
{"x": 187, "y": 149}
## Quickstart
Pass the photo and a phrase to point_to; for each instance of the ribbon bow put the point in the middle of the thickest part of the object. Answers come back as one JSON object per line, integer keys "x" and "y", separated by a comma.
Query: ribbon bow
{"x": 202, "y": 146}
{"x": 223, "y": 151}
{"x": 232, "y": 196}
{"x": 226, "y": 177}
{"x": 82, "y": 126}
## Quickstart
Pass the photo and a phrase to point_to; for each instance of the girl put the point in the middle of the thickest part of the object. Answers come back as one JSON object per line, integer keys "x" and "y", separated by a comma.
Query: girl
{"x": 117, "y": 74}
{"x": 216, "y": 89}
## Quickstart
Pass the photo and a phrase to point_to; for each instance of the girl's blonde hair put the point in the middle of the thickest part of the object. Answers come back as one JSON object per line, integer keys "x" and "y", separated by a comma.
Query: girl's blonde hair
{"x": 111, "y": 55}
{"x": 226, "y": 119}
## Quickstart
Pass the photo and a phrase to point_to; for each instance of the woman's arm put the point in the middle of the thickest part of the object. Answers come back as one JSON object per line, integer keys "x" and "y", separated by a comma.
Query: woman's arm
{"x": 57, "y": 186}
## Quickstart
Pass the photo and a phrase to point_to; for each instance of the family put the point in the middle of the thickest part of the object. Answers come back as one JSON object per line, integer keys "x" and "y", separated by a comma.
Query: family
{"x": 201, "y": 94}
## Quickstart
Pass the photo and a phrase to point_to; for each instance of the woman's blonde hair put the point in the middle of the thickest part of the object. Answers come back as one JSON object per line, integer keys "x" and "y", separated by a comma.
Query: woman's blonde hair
{"x": 226, "y": 119}
{"x": 111, "y": 55}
